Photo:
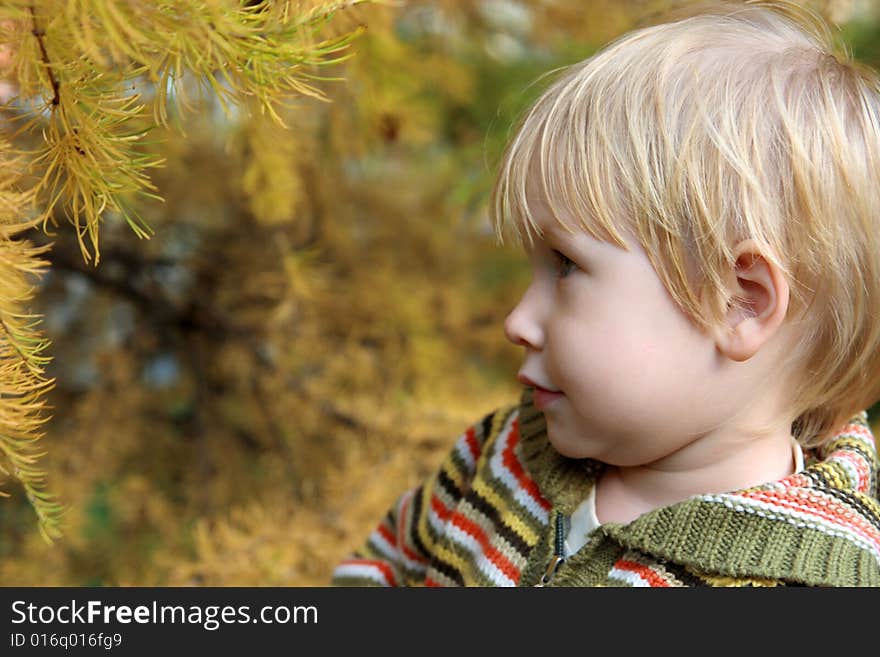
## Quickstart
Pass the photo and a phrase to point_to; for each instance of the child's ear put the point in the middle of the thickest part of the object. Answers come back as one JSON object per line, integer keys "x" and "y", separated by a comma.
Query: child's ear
{"x": 760, "y": 294}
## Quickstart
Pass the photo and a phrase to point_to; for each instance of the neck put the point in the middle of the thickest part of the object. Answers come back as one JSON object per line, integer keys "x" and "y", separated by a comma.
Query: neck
{"x": 624, "y": 493}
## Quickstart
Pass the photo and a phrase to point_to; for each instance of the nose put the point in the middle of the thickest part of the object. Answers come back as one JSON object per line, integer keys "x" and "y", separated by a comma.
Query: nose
{"x": 522, "y": 326}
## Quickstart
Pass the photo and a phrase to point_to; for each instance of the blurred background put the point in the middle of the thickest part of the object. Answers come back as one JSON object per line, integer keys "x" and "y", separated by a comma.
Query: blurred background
{"x": 318, "y": 316}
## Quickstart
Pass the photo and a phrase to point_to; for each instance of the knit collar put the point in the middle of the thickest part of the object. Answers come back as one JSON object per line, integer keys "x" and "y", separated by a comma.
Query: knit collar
{"x": 820, "y": 526}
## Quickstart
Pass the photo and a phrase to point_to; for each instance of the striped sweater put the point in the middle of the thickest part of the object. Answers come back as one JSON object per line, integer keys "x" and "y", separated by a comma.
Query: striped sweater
{"x": 495, "y": 515}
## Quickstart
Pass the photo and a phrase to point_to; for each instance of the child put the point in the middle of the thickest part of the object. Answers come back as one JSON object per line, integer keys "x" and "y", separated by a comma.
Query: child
{"x": 700, "y": 203}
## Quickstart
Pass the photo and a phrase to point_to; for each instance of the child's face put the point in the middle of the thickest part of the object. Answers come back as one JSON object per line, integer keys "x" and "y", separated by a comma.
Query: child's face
{"x": 633, "y": 374}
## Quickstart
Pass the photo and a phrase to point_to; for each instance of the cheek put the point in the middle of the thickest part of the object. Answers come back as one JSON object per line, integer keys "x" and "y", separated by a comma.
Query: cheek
{"x": 587, "y": 355}
{"x": 639, "y": 354}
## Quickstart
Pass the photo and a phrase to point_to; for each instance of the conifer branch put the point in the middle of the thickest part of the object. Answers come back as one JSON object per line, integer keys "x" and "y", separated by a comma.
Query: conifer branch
{"x": 39, "y": 34}
{"x": 12, "y": 341}
{"x": 125, "y": 67}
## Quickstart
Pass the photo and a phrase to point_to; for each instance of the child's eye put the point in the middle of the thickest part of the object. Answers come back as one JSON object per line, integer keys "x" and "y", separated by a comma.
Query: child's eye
{"x": 565, "y": 264}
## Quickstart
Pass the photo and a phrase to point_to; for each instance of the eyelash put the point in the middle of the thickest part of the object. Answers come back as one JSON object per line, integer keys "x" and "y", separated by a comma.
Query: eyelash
{"x": 566, "y": 264}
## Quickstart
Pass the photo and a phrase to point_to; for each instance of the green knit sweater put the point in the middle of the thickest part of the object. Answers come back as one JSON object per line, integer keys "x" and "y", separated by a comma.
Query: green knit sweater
{"x": 495, "y": 514}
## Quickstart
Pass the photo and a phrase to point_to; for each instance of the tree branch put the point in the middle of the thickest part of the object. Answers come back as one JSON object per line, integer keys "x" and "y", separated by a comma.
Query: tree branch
{"x": 39, "y": 34}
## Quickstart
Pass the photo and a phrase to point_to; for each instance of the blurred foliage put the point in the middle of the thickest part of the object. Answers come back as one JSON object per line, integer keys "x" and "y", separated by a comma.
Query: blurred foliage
{"x": 83, "y": 82}
{"x": 318, "y": 313}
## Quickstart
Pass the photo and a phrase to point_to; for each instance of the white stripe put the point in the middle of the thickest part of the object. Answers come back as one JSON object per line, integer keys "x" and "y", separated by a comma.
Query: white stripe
{"x": 360, "y": 571}
{"x": 415, "y": 567}
{"x": 405, "y": 502}
{"x": 464, "y": 453}
{"x": 381, "y": 544}
{"x": 498, "y": 469}
{"x": 447, "y": 502}
{"x": 794, "y": 517}
{"x": 803, "y": 510}
{"x": 472, "y": 545}
{"x": 844, "y": 460}
{"x": 858, "y": 432}
{"x": 445, "y": 496}
{"x": 631, "y": 578}
{"x": 496, "y": 540}
{"x": 438, "y": 524}
{"x": 466, "y": 541}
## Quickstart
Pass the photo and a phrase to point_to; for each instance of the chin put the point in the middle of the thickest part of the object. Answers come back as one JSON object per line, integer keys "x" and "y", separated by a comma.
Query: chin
{"x": 569, "y": 448}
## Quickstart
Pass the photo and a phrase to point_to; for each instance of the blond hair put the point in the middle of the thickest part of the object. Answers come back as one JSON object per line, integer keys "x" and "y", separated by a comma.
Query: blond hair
{"x": 743, "y": 121}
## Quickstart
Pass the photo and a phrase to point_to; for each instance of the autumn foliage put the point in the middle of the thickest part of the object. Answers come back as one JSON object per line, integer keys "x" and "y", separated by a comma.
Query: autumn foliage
{"x": 318, "y": 309}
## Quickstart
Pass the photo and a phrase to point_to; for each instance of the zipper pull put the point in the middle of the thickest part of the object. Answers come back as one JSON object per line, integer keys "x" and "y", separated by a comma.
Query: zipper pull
{"x": 559, "y": 550}
{"x": 552, "y": 567}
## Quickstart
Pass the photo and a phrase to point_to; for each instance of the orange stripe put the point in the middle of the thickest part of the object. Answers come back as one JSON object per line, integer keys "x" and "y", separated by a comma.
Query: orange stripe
{"x": 508, "y": 458}
{"x": 381, "y": 566}
{"x": 828, "y": 510}
{"x": 855, "y": 429}
{"x": 833, "y": 514}
{"x": 646, "y": 573}
{"x": 439, "y": 508}
{"x": 494, "y": 555}
{"x": 387, "y": 535}
{"x": 470, "y": 440}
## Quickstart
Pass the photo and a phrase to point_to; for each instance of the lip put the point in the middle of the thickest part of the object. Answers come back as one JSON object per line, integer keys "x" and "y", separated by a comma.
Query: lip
{"x": 543, "y": 397}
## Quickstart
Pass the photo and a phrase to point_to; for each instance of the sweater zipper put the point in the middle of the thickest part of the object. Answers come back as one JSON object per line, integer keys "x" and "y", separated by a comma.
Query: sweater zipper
{"x": 558, "y": 550}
